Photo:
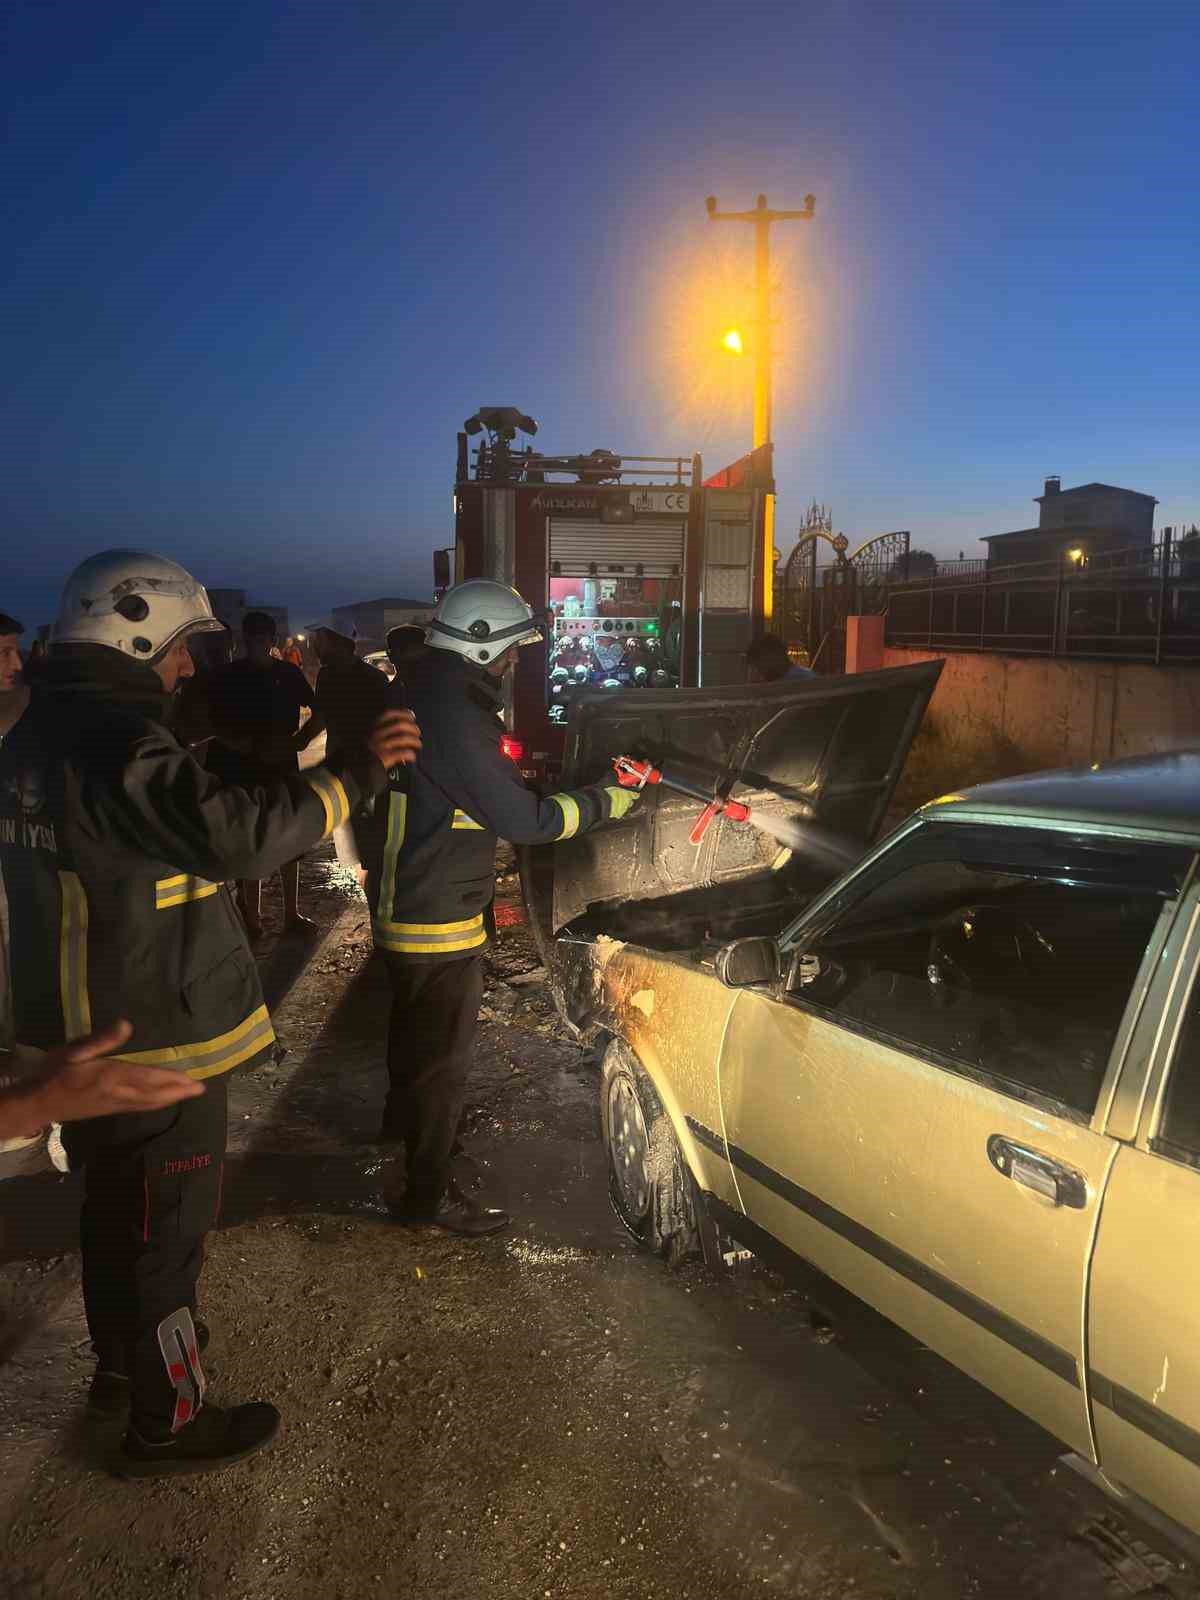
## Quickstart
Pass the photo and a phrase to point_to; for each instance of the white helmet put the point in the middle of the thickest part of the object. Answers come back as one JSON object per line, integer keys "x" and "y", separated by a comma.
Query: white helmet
{"x": 134, "y": 602}
{"x": 480, "y": 619}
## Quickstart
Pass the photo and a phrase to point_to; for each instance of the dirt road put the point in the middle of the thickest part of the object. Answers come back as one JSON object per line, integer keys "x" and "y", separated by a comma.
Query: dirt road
{"x": 545, "y": 1413}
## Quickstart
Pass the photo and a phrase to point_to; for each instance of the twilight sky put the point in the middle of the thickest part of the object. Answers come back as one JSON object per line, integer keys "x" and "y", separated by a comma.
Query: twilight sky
{"x": 266, "y": 257}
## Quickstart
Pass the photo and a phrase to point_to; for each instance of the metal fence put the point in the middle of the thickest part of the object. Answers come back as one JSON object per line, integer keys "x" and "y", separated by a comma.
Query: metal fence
{"x": 1136, "y": 604}
{"x": 813, "y": 602}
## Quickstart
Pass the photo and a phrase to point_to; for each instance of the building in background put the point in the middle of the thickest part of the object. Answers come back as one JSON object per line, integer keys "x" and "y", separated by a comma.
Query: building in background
{"x": 1086, "y": 519}
{"x": 368, "y": 621}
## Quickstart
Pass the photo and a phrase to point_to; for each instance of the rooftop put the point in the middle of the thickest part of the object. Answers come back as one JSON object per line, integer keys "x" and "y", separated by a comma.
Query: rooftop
{"x": 1017, "y": 533}
{"x": 1159, "y": 794}
{"x": 1059, "y": 531}
{"x": 1110, "y": 488}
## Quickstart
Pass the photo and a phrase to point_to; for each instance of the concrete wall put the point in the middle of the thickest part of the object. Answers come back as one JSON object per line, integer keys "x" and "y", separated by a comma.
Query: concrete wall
{"x": 994, "y": 715}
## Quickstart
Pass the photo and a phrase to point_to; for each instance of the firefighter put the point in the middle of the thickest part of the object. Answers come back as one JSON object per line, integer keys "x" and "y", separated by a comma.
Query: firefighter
{"x": 115, "y": 846}
{"x": 431, "y": 863}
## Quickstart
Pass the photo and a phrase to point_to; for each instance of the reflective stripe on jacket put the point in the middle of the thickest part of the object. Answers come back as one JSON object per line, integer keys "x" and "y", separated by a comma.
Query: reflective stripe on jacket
{"x": 430, "y": 849}
{"x": 115, "y": 847}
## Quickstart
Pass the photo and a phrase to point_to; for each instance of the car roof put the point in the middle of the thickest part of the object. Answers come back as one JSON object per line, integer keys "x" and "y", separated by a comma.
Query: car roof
{"x": 1152, "y": 794}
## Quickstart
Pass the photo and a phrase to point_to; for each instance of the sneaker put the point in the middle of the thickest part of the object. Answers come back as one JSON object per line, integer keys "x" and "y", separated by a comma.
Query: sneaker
{"x": 455, "y": 1214}
{"x": 56, "y": 1150}
{"x": 217, "y": 1438}
{"x": 108, "y": 1396}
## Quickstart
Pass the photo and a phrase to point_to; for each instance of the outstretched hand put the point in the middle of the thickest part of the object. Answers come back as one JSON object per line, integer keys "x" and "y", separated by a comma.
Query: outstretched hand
{"x": 79, "y": 1081}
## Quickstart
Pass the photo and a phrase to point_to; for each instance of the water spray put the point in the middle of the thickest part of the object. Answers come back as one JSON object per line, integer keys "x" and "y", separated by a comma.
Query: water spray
{"x": 806, "y": 838}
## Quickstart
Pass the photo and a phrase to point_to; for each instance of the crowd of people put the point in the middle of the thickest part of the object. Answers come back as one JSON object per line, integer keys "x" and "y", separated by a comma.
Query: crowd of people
{"x": 143, "y": 800}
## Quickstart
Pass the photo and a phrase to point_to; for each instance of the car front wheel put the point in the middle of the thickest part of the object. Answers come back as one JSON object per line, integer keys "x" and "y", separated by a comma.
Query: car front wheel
{"x": 650, "y": 1188}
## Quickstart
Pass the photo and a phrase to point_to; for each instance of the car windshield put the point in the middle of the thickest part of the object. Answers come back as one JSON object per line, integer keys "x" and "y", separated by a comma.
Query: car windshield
{"x": 1008, "y": 949}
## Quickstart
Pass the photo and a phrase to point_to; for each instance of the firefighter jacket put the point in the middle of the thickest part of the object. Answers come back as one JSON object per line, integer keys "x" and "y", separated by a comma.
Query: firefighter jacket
{"x": 430, "y": 852}
{"x": 115, "y": 844}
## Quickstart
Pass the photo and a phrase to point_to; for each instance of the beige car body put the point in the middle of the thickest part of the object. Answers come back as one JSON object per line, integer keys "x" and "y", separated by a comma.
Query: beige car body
{"x": 873, "y": 1164}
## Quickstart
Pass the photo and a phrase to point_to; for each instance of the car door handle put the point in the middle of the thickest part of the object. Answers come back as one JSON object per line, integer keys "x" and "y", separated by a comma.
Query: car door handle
{"x": 1033, "y": 1170}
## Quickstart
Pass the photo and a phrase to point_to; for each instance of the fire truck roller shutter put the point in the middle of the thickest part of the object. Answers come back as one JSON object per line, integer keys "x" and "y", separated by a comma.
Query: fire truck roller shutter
{"x": 576, "y": 548}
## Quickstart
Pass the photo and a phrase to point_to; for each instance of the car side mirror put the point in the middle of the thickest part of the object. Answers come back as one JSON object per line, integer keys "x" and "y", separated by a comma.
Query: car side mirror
{"x": 744, "y": 962}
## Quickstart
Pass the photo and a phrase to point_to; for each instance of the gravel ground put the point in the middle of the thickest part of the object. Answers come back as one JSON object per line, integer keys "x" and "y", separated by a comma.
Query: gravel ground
{"x": 545, "y": 1413}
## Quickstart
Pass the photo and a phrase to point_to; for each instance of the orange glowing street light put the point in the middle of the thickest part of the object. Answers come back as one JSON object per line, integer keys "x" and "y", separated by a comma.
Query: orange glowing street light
{"x": 762, "y": 217}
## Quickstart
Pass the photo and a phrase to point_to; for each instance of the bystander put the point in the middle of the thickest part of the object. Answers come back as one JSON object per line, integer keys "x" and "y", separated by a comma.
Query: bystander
{"x": 254, "y": 707}
{"x": 768, "y": 661}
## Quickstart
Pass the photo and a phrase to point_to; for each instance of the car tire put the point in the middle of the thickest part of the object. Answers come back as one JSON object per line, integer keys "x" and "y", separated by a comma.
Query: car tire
{"x": 649, "y": 1185}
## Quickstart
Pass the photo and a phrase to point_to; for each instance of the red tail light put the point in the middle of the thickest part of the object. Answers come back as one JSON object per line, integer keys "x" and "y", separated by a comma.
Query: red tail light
{"x": 514, "y": 749}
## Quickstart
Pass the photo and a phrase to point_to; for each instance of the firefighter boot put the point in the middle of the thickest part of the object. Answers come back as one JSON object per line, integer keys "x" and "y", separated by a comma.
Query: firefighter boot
{"x": 454, "y": 1212}
{"x": 216, "y": 1438}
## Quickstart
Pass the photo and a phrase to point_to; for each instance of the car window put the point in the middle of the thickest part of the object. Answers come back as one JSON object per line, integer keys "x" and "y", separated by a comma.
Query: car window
{"x": 1007, "y": 950}
{"x": 1179, "y": 1131}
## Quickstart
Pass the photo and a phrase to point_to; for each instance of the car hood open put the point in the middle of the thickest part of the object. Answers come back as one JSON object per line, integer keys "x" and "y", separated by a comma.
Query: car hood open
{"x": 824, "y": 750}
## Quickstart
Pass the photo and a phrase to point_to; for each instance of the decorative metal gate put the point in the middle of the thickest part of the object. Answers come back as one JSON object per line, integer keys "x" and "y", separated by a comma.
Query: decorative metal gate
{"x": 817, "y": 600}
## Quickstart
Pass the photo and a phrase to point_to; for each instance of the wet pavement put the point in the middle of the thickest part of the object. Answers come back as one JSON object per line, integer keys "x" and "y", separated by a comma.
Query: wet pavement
{"x": 545, "y": 1413}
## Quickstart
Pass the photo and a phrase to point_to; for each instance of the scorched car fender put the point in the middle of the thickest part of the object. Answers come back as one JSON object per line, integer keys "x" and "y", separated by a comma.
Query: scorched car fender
{"x": 646, "y": 1002}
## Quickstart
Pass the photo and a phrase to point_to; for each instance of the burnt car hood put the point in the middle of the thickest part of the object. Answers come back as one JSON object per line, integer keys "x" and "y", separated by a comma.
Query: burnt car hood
{"x": 824, "y": 750}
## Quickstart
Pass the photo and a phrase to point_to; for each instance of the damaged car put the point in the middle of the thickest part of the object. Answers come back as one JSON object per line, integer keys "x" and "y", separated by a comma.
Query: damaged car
{"x": 960, "y": 1076}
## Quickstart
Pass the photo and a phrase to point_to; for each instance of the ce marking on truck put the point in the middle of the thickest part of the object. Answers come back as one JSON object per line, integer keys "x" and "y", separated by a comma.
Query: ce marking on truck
{"x": 674, "y": 501}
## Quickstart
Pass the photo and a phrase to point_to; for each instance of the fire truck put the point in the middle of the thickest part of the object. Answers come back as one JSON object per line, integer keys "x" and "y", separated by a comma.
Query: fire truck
{"x": 649, "y": 575}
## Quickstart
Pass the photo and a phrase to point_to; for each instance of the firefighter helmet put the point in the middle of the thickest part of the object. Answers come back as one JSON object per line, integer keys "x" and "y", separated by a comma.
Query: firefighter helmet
{"x": 480, "y": 619}
{"x": 134, "y": 602}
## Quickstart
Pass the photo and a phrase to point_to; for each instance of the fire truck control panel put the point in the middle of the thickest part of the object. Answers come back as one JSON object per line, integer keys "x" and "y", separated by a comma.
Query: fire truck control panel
{"x": 648, "y": 575}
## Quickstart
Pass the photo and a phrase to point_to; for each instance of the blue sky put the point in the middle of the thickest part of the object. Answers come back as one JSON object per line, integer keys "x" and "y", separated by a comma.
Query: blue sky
{"x": 267, "y": 257}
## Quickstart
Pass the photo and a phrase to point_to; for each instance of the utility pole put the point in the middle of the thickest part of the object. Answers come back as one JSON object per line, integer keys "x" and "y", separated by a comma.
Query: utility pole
{"x": 762, "y": 217}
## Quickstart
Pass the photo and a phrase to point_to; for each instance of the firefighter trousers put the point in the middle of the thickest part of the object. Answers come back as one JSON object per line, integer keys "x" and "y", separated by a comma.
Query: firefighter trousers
{"x": 152, "y": 1190}
{"x": 435, "y": 1010}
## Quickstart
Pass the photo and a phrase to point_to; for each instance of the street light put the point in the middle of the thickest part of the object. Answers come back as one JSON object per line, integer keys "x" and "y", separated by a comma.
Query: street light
{"x": 762, "y": 217}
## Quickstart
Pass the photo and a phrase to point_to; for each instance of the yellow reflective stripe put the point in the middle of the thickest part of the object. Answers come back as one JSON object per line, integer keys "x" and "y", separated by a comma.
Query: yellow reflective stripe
{"x": 462, "y": 820}
{"x": 207, "y": 1057}
{"x": 73, "y": 956}
{"x": 400, "y": 948}
{"x": 251, "y": 1047}
{"x": 175, "y": 891}
{"x": 331, "y": 792}
{"x": 397, "y": 822}
{"x": 410, "y": 945}
{"x": 430, "y": 927}
{"x": 192, "y": 894}
{"x": 570, "y": 812}
{"x": 430, "y": 938}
